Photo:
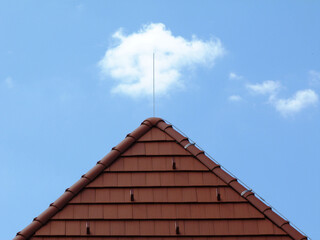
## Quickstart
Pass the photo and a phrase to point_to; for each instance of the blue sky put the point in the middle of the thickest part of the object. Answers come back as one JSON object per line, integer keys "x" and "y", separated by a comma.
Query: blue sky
{"x": 243, "y": 82}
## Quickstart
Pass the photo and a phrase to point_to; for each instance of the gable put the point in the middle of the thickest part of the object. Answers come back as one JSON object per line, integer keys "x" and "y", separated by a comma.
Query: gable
{"x": 155, "y": 183}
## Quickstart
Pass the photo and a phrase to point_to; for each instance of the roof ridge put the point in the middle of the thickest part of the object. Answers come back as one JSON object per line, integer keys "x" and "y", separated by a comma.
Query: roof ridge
{"x": 85, "y": 179}
{"x": 232, "y": 182}
{"x": 130, "y": 139}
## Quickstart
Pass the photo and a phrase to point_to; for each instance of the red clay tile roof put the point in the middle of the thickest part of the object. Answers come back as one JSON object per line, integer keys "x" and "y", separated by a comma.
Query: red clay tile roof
{"x": 156, "y": 185}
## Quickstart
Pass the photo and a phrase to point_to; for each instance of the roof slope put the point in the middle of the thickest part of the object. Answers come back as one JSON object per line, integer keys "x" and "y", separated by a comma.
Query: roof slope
{"x": 156, "y": 185}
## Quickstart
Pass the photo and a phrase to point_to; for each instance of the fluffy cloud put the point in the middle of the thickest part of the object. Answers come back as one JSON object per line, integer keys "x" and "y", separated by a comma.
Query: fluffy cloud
{"x": 300, "y": 100}
{"x": 267, "y": 87}
{"x": 286, "y": 106}
{"x": 129, "y": 62}
{"x": 235, "y": 98}
{"x": 233, "y": 75}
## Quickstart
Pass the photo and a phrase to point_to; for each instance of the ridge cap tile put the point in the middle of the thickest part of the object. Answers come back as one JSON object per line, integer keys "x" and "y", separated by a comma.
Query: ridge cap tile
{"x": 129, "y": 141}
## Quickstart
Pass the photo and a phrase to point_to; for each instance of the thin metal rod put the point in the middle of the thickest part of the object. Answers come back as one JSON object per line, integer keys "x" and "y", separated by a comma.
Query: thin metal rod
{"x": 154, "y": 92}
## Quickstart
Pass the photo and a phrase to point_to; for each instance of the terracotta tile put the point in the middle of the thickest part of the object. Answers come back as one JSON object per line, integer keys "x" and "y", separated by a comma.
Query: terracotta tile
{"x": 76, "y": 199}
{"x": 203, "y": 194}
{"x": 265, "y": 227}
{"x": 73, "y": 228}
{"x": 198, "y": 210}
{"x": 220, "y": 227}
{"x": 138, "y": 179}
{"x": 147, "y": 228}
{"x": 45, "y": 230}
{"x": 167, "y": 179}
{"x": 154, "y": 211}
{"x": 235, "y": 227}
{"x": 155, "y": 134}
{"x": 146, "y": 137}
{"x": 160, "y": 135}
{"x": 206, "y": 228}
{"x": 58, "y": 228}
{"x": 144, "y": 194}
{"x": 212, "y": 211}
{"x": 153, "y": 179}
{"x": 191, "y": 227}
{"x": 145, "y": 163}
{"x": 250, "y": 226}
{"x": 152, "y": 148}
{"x": 178, "y": 149}
{"x": 102, "y": 228}
{"x": 125, "y": 211}
{"x": 160, "y": 194}
{"x": 131, "y": 164}
{"x": 174, "y": 195}
{"x": 166, "y": 148}
{"x": 183, "y": 210}
{"x": 160, "y": 163}
{"x": 132, "y": 228}
{"x": 117, "y": 165}
{"x": 210, "y": 179}
{"x": 81, "y": 211}
{"x": 195, "y": 178}
{"x": 117, "y": 195}
{"x": 136, "y": 150}
{"x": 181, "y": 179}
{"x": 88, "y": 195}
{"x": 102, "y": 195}
{"x": 127, "y": 194}
{"x": 168, "y": 211}
{"x": 124, "y": 180}
{"x": 245, "y": 210}
{"x": 231, "y": 195}
{"x": 181, "y": 225}
{"x": 83, "y": 230}
{"x": 226, "y": 210}
{"x": 277, "y": 230}
{"x": 65, "y": 213}
{"x": 110, "y": 211}
{"x": 110, "y": 179}
{"x": 117, "y": 227}
{"x": 139, "y": 211}
{"x": 96, "y": 211}
{"x": 97, "y": 182}
{"x": 161, "y": 228}
{"x": 189, "y": 195}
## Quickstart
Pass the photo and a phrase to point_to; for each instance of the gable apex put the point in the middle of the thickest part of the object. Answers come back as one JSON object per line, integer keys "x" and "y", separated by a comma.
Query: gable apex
{"x": 154, "y": 138}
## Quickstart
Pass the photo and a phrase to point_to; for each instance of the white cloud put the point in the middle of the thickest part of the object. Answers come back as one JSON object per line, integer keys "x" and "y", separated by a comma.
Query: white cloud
{"x": 233, "y": 75}
{"x": 267, "y": 87}
{"x": 9, "y": 82}
{"x": 129, "y": 63}
{"x": 314, "y": 77}
{"x": 295, "y": 104}
{"x": 235, "y": 98}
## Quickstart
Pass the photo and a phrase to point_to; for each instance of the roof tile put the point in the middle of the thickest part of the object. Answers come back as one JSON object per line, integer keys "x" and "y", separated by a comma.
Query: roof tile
{"x": 173, "y": 184}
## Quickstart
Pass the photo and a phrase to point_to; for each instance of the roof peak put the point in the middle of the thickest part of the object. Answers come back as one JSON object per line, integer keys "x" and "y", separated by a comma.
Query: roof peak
{"x": 175, "y": 138}
{"x": 153, "y": 120}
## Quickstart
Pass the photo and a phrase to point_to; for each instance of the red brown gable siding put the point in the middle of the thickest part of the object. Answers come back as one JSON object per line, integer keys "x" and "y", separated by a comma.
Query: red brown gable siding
{"x": 156, "y": 185}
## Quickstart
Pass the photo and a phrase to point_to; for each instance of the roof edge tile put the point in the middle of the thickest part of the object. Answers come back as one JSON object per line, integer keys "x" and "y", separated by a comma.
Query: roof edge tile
{"x": 28, "y": 231}
{"x": 231, "y": 181}
{"x": 131, "y": 138}
{"x": 153, "y": 121}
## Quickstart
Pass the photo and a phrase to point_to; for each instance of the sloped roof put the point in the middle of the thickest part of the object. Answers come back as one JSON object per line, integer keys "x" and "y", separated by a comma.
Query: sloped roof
{"x": 156, "y": 185}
